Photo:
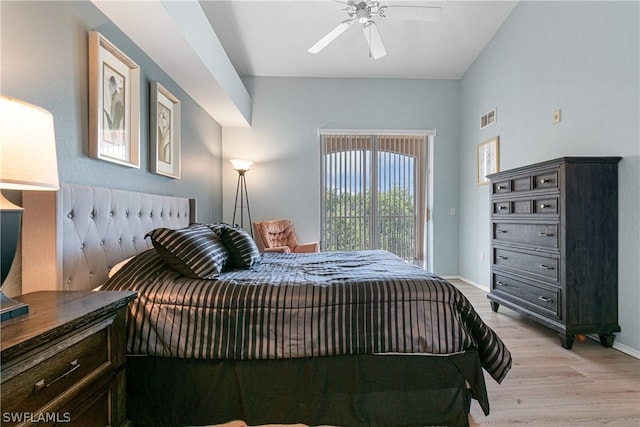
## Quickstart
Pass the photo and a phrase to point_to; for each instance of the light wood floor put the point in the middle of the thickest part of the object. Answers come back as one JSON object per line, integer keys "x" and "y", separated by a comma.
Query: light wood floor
{"x": 548, "y": 385}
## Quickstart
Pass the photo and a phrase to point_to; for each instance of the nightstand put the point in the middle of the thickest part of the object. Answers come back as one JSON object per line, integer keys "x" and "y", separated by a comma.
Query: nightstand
{"x": 64, "y": 362}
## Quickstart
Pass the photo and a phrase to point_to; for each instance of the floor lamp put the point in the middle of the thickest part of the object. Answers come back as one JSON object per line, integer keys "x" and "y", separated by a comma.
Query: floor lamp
{"x": 27, "y": 162}
{"x": 242, "y": 166}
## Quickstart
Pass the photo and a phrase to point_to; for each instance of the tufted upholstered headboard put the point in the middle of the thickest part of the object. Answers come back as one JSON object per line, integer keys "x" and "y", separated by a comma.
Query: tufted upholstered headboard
{"x": 99, "y": 227}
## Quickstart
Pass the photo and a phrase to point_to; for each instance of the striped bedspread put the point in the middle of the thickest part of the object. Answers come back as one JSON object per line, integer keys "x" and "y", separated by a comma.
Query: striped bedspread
{"x": 303, "y": 305}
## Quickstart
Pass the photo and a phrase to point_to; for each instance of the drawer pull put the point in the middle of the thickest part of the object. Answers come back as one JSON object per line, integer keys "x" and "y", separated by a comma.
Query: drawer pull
{"x": 499, "y": 283}
{"x": 545, "y": 267}
{"x": 544, "y": 299}
{"x": 502, "y": 257}
{"x": 502, "y": 187}
{"x": 502, "y": 208}
{"x": 74, "y": 365}
{"x": 543, "y": 206}
{"x": 543, "y": 234}
{"x": 544, "y": 181}
{"x": 502, "y": 231}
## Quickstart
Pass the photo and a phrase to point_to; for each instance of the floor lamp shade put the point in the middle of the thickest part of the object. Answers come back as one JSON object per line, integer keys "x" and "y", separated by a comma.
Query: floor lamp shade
{"x": 242, "y": 166}
{"x": 27, "y": 162}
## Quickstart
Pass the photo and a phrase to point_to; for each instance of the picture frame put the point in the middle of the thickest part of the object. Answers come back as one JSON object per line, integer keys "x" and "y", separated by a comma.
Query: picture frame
{"x": 114, "y": 104}
{"x": 488, "y": 159}
{"x": 164, "y": 132}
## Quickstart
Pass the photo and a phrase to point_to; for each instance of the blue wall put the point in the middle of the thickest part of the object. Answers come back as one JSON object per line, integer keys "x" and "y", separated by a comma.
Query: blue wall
{"x": 582, "y": 58}
{"x": 44, "y": 61}
{"x": 284, "y": 143}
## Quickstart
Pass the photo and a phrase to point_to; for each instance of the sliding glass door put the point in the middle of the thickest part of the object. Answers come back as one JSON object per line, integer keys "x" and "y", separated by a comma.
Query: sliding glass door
{"x": 373, "y": 193}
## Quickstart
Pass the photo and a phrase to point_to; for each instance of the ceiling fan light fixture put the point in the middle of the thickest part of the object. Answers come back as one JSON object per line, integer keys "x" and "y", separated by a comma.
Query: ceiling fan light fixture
{"x": 364, "y": 11}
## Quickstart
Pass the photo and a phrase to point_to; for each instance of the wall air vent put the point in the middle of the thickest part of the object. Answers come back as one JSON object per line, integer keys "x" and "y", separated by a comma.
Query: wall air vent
{"x": 488, "y": 118}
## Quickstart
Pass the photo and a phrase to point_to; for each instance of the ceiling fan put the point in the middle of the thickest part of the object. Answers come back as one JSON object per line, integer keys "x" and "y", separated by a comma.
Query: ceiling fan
{"x": 364, "y": 11}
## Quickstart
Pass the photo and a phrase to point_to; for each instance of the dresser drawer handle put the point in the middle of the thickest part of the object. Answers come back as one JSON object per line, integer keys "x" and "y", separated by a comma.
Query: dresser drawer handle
{"x": 543, "y": 206}
{"x": 502, "y": 208}
{"x": 502, "y": 187}
{"x": 502, "y": 231}
{"x": 544, "y": 181}
{"x": 502, "y": 257}
{"x": 545, "y": 299}
{"x": 74, "y": 365}
{"x": 543, "y": 234}
{"x": 499, "y": 283}
{"x": 545, "y": 267}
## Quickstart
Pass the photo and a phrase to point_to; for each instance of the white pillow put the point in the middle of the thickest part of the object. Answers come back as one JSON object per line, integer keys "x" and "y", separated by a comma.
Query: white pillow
{"x": 118, "y": 266}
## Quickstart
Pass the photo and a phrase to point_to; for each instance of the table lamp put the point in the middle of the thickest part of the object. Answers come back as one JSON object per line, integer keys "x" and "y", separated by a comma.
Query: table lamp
{"x": 27, "y": 162}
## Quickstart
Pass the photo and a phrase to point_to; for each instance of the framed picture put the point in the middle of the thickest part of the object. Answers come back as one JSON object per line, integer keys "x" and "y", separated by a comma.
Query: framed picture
{"x": 164, "y": 132}
{"x": 114, "y": 104}
{"x": 488, "y": 159}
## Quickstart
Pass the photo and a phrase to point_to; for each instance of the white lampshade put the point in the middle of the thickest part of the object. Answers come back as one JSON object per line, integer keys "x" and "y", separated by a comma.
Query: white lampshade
{"x": 241, "y": 165}
{"x": 27, "y": 147}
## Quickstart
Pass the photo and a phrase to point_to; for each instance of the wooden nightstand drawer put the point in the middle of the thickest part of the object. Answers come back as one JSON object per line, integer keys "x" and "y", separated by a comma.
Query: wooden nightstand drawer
{"x": 58, "y": 370}
{"x": 65, "y": 360}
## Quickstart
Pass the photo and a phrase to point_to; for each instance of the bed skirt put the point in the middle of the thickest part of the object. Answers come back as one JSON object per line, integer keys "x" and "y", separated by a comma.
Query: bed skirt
{"x": 362, "y": 390}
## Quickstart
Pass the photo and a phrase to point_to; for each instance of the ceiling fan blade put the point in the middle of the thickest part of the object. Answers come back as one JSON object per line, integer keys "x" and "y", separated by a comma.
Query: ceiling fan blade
{"x": 412, "y": 12}
{"x": 331, "y": 36}
{"x": 376, "y": 47}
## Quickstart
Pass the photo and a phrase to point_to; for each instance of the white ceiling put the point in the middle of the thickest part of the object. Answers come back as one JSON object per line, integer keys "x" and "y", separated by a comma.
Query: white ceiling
{"x": 271, "y": 38}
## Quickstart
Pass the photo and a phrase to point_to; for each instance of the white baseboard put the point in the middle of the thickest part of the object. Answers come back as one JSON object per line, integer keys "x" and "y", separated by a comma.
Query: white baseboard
{"x": 471, "y": 282}
{"x": 620, "y": 347}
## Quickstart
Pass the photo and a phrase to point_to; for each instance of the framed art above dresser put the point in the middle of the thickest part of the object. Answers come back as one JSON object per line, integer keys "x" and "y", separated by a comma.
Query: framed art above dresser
{"x": 554, "y": 245}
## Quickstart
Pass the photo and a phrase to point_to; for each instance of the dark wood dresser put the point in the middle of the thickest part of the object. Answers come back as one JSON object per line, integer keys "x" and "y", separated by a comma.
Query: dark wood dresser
{"x": 554, "y": 245}
{"x": 64, "y": 362}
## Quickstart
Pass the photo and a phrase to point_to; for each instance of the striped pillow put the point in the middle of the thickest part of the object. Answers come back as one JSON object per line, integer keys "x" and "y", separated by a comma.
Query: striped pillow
{"x": 215, "y": 227}
{"x": 195, "y": 252}
{"x": 242, "y": 249}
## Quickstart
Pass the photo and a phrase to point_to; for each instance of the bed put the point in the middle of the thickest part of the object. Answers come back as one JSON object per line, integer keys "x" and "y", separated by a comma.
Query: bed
{"x": 349, "y": 339}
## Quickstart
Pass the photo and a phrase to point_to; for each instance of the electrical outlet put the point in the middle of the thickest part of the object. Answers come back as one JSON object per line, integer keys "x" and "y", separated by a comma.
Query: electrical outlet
{"x": 556, "y": 117}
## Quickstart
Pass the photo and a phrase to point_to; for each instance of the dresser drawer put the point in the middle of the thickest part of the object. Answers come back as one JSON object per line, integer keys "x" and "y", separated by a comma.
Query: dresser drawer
{"x": 501, "y": 187}
{"x": 511, "y": 207}
{"x": 536, "y": 298}
{"x": 61, "y": 369}
{"x": 545, "y": 235}
{"x": 547, "y": 205}
{"x": 513, "y": 185}
{"x": 541, "y": 266}
{"x": 545, "y": 180}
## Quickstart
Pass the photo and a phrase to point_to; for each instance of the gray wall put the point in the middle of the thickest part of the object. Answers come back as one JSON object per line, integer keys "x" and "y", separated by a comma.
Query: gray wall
{"x": 283, "y": 142}
{"x": 582, "y": 58}
{"x": 44, "y": 61}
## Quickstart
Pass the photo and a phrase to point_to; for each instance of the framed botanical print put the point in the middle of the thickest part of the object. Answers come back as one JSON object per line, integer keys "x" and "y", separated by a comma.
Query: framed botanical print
{"x": 164, "y": 132}
{"x": 488, "y": 159}
{"x": 114, "y": 104}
